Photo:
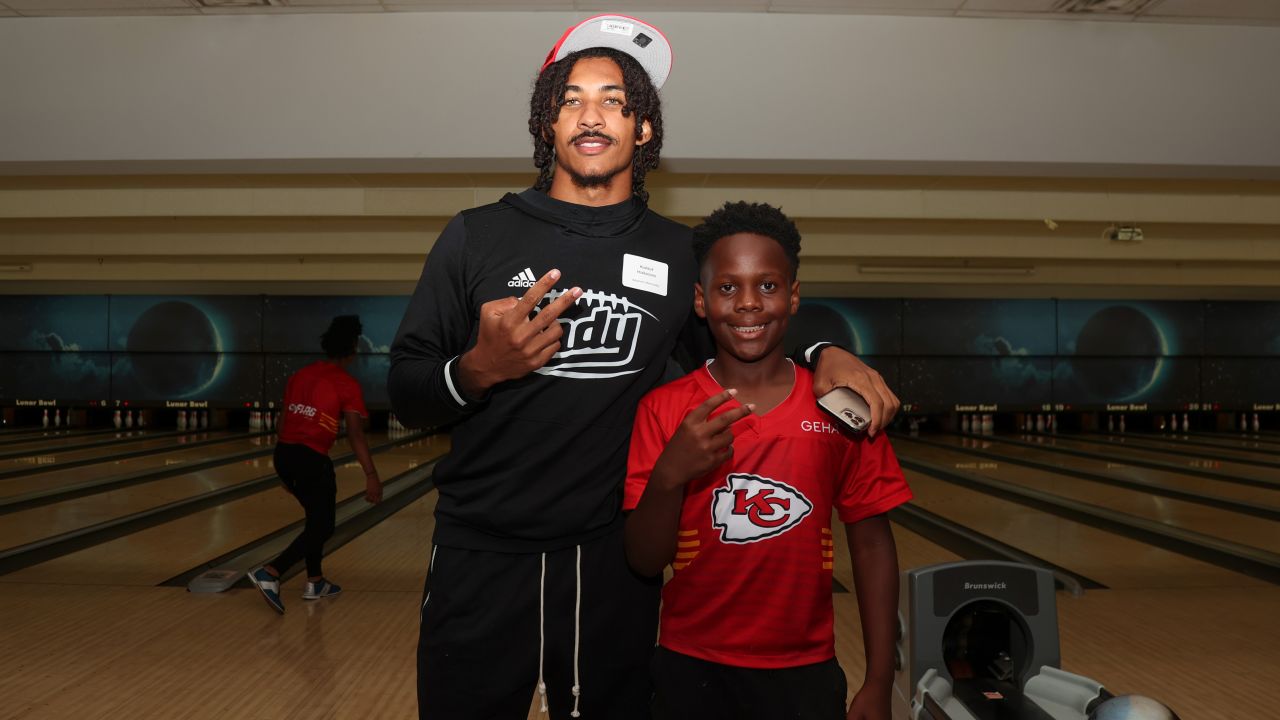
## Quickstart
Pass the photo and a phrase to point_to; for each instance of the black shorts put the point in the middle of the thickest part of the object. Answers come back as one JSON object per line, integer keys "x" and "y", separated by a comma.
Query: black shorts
{"x": 688, "y": 688}
{"x": 479, "y": 644}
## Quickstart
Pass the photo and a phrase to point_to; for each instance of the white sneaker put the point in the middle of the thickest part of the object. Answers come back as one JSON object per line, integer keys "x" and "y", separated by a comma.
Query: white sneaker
{"x": 317, "y": 590}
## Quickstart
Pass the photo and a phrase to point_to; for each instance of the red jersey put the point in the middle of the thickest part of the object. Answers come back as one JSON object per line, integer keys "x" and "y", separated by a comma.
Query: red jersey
{"x": 314, "y": 401}
{"x": 752, "y": 583}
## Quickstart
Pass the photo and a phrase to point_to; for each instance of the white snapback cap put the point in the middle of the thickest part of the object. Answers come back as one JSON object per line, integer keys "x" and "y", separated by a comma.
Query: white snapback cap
{"x": 636, "y": 38}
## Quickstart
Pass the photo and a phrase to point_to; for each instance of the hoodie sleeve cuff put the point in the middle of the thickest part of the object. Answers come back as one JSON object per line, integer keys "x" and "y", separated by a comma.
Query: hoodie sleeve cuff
{"x": 453, "y": 384}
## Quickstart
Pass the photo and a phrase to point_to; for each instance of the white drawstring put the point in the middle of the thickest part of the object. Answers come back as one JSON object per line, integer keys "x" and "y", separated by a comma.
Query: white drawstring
{"x": 542, "y": 641}
{"x": 430, "y": 566}
{"x": 542, "y": 634}
{"x": 577, "y": 629}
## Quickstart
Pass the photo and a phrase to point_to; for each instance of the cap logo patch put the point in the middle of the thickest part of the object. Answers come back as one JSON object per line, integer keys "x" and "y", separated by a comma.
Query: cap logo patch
{"x": 617, "y": 28}
{"x": 642, "y": 40}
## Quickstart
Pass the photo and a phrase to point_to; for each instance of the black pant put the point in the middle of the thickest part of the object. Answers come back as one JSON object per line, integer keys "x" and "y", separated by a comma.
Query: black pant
{"x": 478, "y": 648}
{"x": 309, "y": 476}
{"x": 688, "y": 688}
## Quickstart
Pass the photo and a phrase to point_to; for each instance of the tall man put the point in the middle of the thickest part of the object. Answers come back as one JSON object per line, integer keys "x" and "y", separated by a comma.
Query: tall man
{"x": 528, "y": 585}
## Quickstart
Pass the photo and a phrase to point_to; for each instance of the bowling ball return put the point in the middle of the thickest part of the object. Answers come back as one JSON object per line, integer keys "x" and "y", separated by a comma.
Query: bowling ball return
{"x": 978, "y": 640}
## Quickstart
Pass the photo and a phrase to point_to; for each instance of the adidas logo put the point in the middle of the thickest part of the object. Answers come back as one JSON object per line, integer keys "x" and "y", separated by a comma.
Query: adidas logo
{"x": 524, "y": 278}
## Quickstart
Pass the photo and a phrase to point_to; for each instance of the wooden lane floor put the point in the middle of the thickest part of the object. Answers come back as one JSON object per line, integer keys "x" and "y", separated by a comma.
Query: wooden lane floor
{"x": 1216, "y": 450}
{"x": 156, "y": 554}
{"x": 1216, "y": 522}
{"x": 16, "y": 437}
{"x": 1210, "y": 460}
{"x": 109, "y": 468}
{"x": 1200, "y": 443}
{"x": 166, "y": 653}
{"x": 48, "y": 520}
{"x": 1111, "y": 559}
{"x": 46, "y": 445}
{"x": 53, "y": 457}
{"x": 1115, "y": 468}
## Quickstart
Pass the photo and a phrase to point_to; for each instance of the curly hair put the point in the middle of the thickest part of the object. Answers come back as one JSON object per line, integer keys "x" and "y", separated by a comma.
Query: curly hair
{"x": 340, "y": 339}
{"x": 642, "y": 102}
{"x": 745, "y": 217}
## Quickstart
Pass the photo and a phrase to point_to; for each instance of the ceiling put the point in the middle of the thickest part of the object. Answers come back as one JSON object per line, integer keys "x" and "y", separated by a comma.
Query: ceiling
{"x": 1233, "y": 12}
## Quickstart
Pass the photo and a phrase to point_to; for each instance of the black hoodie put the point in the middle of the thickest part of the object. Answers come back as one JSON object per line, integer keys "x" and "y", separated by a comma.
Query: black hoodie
{"x": 539, "y": 464}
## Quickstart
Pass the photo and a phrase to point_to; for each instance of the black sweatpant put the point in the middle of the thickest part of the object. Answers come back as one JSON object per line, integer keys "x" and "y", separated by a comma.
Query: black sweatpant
{"x": 479, "y": 645}
{"x": 689, "y": 688}
{"x": 309, "y": 476}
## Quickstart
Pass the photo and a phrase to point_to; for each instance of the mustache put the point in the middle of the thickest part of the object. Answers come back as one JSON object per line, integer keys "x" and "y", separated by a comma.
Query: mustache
{"x": 593, "y": 134}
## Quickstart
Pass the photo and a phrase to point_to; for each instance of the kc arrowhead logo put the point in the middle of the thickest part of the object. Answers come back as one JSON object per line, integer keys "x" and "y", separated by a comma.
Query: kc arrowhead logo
{"x": 753, "y": 508}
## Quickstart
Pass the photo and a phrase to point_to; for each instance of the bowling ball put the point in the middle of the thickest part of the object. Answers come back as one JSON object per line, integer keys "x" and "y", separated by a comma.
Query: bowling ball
{"x": 1132, "y": 707}
{"x": 814, "y": 322}
{"x": 174, "y": 326}
{"x": 1118, "y": 330}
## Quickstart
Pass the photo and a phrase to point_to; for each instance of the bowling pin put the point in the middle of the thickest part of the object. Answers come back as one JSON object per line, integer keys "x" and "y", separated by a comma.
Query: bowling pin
{"x": 1053, "y": 423}
{"x": 117, "y": 420}
{"x": 128, "y": 419}
{"x": 1040, "y": 423}
{"x": 988, "y": 423}
{"x": 204, "y": 419}
{"x": 44, "y": 421}
{"x": 142, "y": 420}
{"x": 1186, "y": 423}
{"x": 57, "y": 417}
{"x": 182, "y": 419}
{"x": 1122, "y": 423}
{"x": 1257, "y": 425}
{"x": 1173, "y": 421}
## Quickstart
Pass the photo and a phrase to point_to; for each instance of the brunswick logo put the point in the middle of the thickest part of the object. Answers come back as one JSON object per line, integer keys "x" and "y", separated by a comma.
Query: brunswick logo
{"x": 600, "y": 341}
{"x": 754, "y": 508}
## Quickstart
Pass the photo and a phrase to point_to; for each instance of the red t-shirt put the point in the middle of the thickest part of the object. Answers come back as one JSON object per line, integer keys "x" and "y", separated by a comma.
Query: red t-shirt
{"x": 314, "y": 401}
{"x": 752, "y": 583}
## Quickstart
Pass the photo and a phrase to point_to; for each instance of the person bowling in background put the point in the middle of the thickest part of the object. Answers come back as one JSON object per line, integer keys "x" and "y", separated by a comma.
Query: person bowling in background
{"x": 316, "y": 398}
{"x": 733, "y": 474}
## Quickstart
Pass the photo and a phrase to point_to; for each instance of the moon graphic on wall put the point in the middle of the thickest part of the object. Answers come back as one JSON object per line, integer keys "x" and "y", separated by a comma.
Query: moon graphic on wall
{"x": 178, "y": 327}
{"x": 815, "y": 321}
{"x": 1121, "y": 331}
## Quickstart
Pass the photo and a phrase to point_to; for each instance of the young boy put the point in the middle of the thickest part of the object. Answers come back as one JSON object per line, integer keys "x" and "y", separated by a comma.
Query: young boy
{"x": 733, "y": 474}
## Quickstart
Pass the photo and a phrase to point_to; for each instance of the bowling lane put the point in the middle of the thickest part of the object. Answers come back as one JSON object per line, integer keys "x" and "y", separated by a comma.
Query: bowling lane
{"x": 1209, "y": 461}
{"x": 48, "y": 520}
{"x": 1117, "y": 469}
{"x": 105, "y": 452}
{"x": 1224, "y": 524}
{"x": 156, "y": 554}
{"x": 45, "y": 445}
{"x": 108, "y": 468}
{"x": 21, "y": 435}
{"x": 1238, "y": 442}
{"x": 1111, "y": 559}
{"x": 1216, "y": 450}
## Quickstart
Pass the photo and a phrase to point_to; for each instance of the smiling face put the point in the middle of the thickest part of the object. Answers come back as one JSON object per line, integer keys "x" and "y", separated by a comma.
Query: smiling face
{"x": 747, "y": 293}
{"x": 594, "y": 141}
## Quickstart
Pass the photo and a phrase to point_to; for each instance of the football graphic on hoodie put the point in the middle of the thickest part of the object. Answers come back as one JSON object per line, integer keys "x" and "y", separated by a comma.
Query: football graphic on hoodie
{"x": 753, "y": 508}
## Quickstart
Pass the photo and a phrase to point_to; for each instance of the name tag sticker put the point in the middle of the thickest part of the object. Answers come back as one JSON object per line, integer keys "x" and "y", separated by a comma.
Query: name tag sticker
{"x": 644, "y": 274}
